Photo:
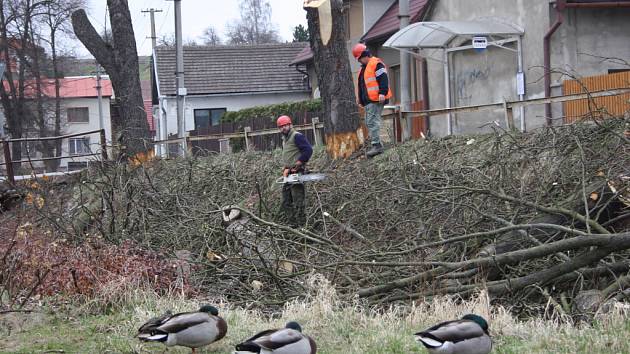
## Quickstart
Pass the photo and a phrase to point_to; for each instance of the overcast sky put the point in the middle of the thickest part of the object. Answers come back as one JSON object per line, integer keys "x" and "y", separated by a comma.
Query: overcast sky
{"x": 196, "y": 16}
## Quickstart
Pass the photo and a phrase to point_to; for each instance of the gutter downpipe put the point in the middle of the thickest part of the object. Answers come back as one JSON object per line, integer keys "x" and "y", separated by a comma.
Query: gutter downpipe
{"x": 560, "y": 5}
{"x": 405, "y": 87}
{"x": 305, "y": 73}
{"x": 447, "y": 92}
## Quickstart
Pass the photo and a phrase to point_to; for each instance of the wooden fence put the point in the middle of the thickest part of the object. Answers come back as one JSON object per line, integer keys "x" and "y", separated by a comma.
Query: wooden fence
{"x": 9, "y": 162}
{"x": 509, "y": 106}
{"x": 251, "y": 134}
{"x": 218, "y": 139}
{"x": 611, "y": 105}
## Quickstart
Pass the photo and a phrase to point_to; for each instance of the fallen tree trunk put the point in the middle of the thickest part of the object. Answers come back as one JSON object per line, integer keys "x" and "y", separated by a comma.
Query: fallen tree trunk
{"x": 541, "y": 278}
{"x": 604, "y": 242}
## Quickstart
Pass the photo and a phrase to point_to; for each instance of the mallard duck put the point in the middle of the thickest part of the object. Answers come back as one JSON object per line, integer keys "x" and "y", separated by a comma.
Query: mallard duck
{"x": 287, "y": 340}
{"x": 466, "y": 336}
{"x": 187, "y": 329}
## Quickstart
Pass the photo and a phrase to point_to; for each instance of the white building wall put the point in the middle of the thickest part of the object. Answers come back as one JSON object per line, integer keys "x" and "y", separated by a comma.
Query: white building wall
{"x": 78, "y": 127}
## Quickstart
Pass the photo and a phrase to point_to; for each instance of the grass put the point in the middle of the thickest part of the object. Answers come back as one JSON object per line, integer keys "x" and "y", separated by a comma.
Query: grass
{"x": 107, "y": 324}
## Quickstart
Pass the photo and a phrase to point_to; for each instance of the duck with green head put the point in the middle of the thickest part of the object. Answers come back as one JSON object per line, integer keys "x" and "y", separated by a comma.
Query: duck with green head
{"x": 287, "y": 340}
{"x": 187, "y": 329}
{"x": 466, "y": 336}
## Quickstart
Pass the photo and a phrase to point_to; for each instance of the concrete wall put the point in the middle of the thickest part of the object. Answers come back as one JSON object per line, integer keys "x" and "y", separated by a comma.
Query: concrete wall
{"x": 589, "y": 42}
{"x": 356, "y": 19}
{"x": 231, "y": 103}
{"x": 489, "y": 76}
{"x": 579, "y": 47}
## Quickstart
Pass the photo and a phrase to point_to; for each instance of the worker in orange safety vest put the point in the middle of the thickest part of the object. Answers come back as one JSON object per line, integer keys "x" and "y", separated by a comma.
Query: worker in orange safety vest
{"x": 373, "y": 93}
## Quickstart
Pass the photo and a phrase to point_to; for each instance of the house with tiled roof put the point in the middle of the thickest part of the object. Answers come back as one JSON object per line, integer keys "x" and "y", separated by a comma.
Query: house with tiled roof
{"x": 226, "y": 78}
{"x": 79, "y": 113}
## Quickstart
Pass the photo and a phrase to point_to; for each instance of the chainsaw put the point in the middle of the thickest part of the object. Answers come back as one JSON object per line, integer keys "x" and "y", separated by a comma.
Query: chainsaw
{"x": 300, "y": 178}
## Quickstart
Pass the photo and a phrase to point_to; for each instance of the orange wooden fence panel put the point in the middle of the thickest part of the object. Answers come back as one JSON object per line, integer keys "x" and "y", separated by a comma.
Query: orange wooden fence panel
{"x": 601, "y": 107}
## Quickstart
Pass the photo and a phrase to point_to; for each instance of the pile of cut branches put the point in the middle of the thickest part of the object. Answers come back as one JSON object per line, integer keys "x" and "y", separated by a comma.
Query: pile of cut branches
{"x": 534, "y": 218}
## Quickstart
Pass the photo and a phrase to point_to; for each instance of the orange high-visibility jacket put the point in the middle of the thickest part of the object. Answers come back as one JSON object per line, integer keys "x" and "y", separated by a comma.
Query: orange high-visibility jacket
{"x": 369, "y": 77}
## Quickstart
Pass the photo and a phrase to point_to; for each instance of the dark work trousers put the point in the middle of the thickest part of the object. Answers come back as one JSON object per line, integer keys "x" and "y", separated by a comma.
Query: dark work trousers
{"x": 293, "y": 196}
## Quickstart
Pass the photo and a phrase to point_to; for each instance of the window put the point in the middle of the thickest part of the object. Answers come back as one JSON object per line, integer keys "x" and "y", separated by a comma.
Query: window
{"x": 208, "y": 117}
{"x": 73, "y": 166}
{"x": 393, "y": 74}
{"x": 29, "y": 149}
{"x": 614, "y": 71}
{"x": 79, "y": 146}
{"x": 78, "y": 115}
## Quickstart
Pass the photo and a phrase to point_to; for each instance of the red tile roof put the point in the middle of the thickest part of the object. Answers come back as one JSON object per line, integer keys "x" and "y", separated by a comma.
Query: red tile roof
{"x": 70, "y": 87}
{"x": 389, "y": 23}
{"x": 305, "y": 55}
{"x": 75, "y": 87}
{"x": 148, "y": 107}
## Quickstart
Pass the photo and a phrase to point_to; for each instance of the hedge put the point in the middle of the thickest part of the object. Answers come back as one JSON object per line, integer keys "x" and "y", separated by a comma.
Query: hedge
{"x": 273, "y": 111}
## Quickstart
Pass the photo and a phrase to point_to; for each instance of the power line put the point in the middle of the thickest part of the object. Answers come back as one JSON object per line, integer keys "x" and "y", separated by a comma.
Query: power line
{"x": 168, "y": 9}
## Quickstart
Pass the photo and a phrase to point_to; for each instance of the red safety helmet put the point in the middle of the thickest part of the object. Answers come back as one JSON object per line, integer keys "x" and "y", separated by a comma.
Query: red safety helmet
{"x": 283, "y": 120}
{"x": 358, "y": 49}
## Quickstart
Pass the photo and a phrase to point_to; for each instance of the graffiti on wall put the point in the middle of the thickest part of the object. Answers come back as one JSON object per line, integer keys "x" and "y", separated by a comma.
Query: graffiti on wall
{"x": 465, "y": 81}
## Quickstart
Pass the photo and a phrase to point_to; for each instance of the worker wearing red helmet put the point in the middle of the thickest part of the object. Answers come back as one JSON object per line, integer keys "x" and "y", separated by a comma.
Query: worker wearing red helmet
{"x": 373, "y": 93}
{"x": 296, "y": 151}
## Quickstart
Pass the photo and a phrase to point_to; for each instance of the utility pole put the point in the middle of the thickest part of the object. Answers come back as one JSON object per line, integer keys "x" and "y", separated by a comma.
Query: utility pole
{"x": 405, "y": 97}
{"x": 101, "y": 122}
{"x": 162, "y": 133}
{"x": 179, "y": 73}
{"x": 153, "y": 37}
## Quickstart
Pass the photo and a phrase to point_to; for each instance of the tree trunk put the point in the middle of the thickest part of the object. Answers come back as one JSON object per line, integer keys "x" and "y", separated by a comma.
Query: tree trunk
{"x": 54, "y": 164}
{"x": 11, "y": 103}
{"x": 120, "y": 61}
{"x": 341, "y": 117}
{"x": 41, "y": 114}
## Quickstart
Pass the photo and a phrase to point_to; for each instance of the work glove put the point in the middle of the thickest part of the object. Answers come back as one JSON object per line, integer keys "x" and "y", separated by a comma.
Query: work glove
{"x": 285, "y": 171}
{"x": 298, "y": 167}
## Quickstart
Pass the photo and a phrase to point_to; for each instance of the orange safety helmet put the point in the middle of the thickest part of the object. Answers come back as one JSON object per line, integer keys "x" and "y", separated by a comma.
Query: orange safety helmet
{"x": 358, "y": 49}
{"x": 283, "y": 120}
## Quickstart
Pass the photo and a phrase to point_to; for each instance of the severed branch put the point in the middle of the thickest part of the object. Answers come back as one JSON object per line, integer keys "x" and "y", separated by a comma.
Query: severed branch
{"x": 615, "y": 241}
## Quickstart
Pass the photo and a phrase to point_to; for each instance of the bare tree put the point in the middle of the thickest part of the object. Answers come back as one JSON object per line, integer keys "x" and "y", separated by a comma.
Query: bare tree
{"x": 210, "y": 36}
{"x": 167, "y": 40}
{"x": 16, "y": 48}
{"x": 255, "y": 26}
{"x": 55, "y": 20}
{"x": 341, "y": 115}
{"x": 120, "y": 60}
